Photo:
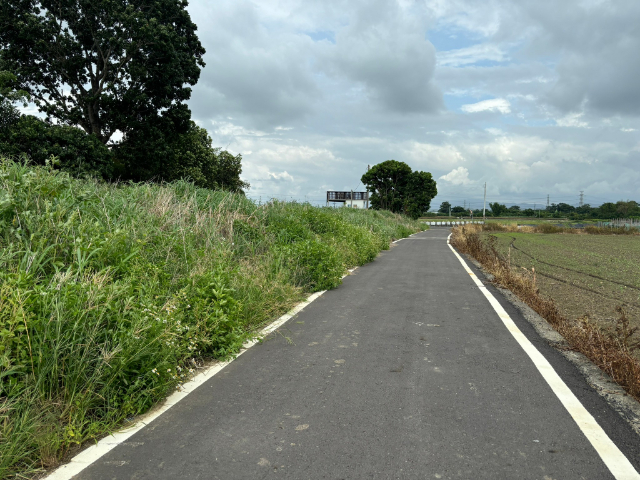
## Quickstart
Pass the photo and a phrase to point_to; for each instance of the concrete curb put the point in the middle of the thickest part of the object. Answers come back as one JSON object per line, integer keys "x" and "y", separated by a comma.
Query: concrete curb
{"x": 627, "y": 406}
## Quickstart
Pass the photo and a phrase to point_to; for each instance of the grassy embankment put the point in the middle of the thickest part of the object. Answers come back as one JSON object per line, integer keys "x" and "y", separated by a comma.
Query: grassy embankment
{"x": 111, "y": 295}
{"x": 586, "y": 285}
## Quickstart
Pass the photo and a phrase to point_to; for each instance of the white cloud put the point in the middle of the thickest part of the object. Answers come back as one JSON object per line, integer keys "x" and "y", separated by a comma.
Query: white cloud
{"x": 493, "y": 105}
{"x": 225, "y": 129}
{"x": 429, "y": 157}
{"x": 280, "y": 177}
{"x": 457, "y": 176}
{"x": 470, "y": 55}
{"x": 319, "y": 90}
{"x": 572, "y": 120}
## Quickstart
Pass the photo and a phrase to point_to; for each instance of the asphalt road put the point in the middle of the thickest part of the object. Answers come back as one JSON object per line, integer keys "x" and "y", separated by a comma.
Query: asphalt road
{"x": 405, "y": 371}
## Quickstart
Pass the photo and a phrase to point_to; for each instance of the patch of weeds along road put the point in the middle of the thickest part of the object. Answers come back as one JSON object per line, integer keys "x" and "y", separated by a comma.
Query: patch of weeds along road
{"x": 610, "y": 345}
{"x": 111, "y": 295}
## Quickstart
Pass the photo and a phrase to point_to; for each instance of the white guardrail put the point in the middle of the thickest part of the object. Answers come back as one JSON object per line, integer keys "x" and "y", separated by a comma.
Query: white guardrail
{"x": 454, "y": 223}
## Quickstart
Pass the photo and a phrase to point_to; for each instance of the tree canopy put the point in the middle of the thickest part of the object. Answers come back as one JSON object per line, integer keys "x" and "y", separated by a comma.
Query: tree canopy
{"x": 497, "y": 209}
{"x": 189, "y": 155}
{"x": 9, "y": 114}
{"x": 444, "y": 207}
{"x": 608, "y": 210}
{"x": 394, "y": 186}
{"x": 76, "y": 152}
{"x": 97, "y": 67}
{"x": 102, "y": 65}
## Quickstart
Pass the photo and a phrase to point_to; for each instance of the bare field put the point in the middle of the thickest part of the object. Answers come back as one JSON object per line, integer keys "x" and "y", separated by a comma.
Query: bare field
{"x": 584, "y": 274}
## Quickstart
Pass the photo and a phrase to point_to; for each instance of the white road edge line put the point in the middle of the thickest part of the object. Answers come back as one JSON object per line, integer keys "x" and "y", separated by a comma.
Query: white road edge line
{"x": 610, "y": 454}
{"x": 396, "y": 241}
{"x": 94, "y": 452}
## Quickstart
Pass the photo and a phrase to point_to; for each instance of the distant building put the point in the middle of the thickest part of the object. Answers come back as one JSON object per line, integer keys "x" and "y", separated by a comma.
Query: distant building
{"x": 349, "y": 199}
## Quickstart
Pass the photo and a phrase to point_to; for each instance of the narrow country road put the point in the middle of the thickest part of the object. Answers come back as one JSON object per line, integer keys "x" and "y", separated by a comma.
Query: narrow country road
{"x": 406, "y": 371}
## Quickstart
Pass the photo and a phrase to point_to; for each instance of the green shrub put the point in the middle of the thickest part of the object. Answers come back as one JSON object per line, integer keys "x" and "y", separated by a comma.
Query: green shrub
{"x": 176, "y": 155}
{"x": 314, "y": 264}
{"x": 111, "y": 293}
{"x": 76, "y": 152}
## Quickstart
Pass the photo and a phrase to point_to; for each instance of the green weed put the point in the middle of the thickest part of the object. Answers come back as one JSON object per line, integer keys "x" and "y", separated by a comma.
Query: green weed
{"x": 110, "y": 292}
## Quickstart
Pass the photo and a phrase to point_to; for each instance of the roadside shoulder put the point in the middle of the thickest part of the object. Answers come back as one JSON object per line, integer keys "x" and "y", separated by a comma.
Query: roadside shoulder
{"x": 614, "y": 394}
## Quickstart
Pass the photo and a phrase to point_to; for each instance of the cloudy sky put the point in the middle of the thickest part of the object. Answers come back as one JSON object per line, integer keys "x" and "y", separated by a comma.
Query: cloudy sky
{"x": 533, "y": 97}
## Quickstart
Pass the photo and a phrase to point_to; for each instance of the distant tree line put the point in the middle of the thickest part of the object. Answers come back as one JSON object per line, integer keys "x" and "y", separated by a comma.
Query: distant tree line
{"x": 620, "y": 209}
{"x": 99, "y": 69}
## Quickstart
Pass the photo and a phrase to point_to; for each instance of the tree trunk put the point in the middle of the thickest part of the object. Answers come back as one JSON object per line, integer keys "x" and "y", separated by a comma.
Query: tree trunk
{"x": 94, "y": 123}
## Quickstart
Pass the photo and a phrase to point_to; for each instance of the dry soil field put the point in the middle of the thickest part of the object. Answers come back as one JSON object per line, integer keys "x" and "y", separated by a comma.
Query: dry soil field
{"x": 584, "y": 274}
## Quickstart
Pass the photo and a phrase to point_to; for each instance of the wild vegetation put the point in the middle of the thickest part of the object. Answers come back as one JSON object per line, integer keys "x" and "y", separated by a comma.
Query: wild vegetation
{"x": 608, "y": 210}
{"x": 112, "y": 294}
{"x": 613, "y": 345}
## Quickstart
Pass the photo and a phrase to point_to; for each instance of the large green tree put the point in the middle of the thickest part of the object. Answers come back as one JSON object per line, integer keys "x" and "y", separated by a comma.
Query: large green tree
{"x": 102, "y": 65}
{"x": 497, "y": 209}
{"x": 75, "y": 151}
{"x": 394, "y": 186}
{"x": 188, "y": 155}
{"x": 445, "y": 207}
{"x": 420, "y": 189}
{"x": 9, "y": 114}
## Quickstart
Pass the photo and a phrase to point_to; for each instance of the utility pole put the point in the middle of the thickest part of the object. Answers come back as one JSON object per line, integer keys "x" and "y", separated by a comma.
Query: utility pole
{"x": 449, "y": 210}
{"x": 581, "y": 198}
{"x": 484, "y": 204}
{"x": 351, "y": 198}
{"x": 465, "y": 205}
{"x": 547, "y": 200}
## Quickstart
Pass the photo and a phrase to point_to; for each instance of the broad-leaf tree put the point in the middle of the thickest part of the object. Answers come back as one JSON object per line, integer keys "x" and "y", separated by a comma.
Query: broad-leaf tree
{"x": 395, "y": 187}
{"x": 445, "y": 207}
{"x": 9, "y": 114}
{"x": 420, "y": 189}
{"x": 386, "y": 181}
{"x": 102, "y": 65}
{"x": 497, "y": 209}
{"x": 176, "y": 156}
{"x": 75, "y": 151}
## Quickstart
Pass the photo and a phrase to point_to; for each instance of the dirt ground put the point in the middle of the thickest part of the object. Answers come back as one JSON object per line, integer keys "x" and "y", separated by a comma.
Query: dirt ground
{"x": 584, "y": 274}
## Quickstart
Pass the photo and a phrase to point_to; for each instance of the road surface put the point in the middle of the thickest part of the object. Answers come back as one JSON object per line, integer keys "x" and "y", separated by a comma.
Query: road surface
{"x": 405, "y": 371}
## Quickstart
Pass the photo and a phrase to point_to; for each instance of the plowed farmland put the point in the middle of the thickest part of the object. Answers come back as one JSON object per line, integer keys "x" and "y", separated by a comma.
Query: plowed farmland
{"x": 584, "y": 274}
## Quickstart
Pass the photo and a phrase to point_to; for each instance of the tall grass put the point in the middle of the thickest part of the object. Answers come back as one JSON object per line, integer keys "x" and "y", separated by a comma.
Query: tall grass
{"x": 110, "y": 294}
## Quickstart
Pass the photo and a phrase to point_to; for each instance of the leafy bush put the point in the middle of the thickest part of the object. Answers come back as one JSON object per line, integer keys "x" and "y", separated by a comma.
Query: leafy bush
{"x": 315, "y": 264}
{"x": 110, "y": 294}
{"x": 77, "y": 153}
{"x": 177, "y": 154}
